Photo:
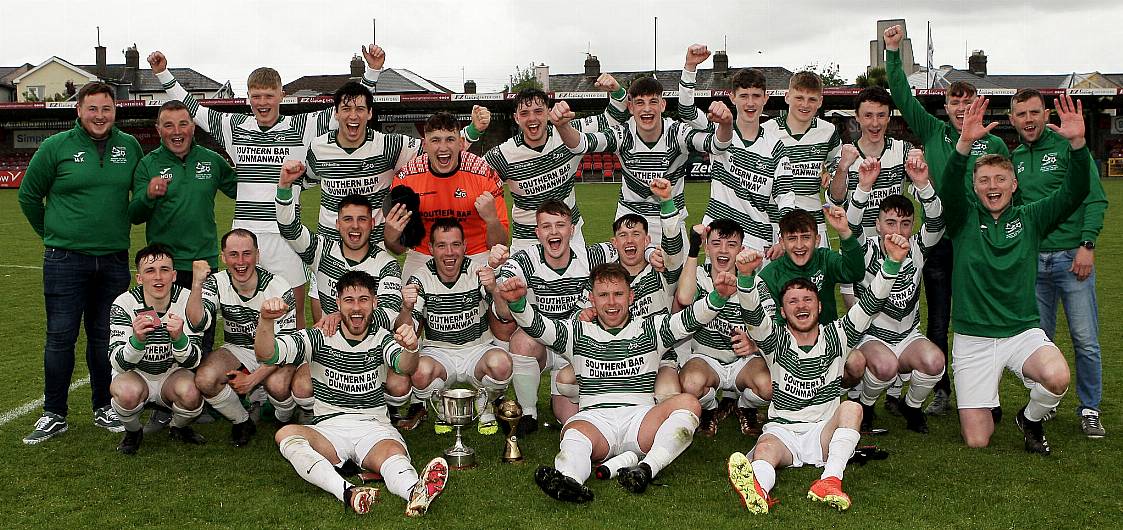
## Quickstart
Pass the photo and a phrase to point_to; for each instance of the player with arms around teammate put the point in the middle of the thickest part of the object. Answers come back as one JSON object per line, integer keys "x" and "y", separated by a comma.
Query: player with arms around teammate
{"x": 153, "y": 352}
{"x": 808, "y": 424}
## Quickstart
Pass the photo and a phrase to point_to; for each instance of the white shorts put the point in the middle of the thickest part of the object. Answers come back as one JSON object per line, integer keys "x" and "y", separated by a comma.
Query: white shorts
{"x": 898, "y": 348}
{"x": 415, "y": 260}
{"x": 726, "y": 373}
{"x": 155, "y": 384}
{"x": 977, "y": 364}
{"x": 805, "y": 447}
{"x": 244, "y": 355}
{"x": 459, "y": 364}
{"x": 276, "y": 256}
{"x": 577, "y": 242}
{"x": 620, "y": 426}
{"x": 353, "y": 438}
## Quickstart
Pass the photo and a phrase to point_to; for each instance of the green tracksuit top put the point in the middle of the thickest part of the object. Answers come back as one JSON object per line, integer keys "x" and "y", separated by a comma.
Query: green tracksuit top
{"x": 825, "y": 269}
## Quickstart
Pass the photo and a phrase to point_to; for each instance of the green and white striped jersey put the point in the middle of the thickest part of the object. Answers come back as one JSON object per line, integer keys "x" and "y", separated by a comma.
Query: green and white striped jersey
{"x": 556, "y": 293}
{"x": 365, "y": 170}
{"x": 324, "y": 256}
{"x": 807, "y": 381}
{"x": 239, "y": 314}
{"x": 347, "y": 376}
{"x": 810, "y": 155}
{"x": 743, "y": 186}
{"x": 891, "y": 180}
{"x": 654, "y": 291}
{"x": 156, "y": 355}
{"x": 616, "y": 368}
{"x": 901, "y": 314}
{"x": 259, "y": 154}
{"x": 716, "y": 338}
{"x": 453, "y": 316}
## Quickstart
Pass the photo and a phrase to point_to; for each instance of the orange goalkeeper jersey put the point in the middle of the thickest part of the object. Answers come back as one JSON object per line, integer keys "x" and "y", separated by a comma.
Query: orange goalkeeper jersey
{"x": 455, "y": 196}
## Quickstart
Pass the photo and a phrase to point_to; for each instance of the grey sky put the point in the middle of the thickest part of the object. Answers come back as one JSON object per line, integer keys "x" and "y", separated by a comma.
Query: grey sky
{"x": 488, "y": 38}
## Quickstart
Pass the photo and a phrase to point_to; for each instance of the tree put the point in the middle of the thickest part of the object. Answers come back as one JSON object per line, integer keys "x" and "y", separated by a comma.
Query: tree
{"x": 828, "y": 73}
{"x": 523, "y": 78}
{"x": 874, "y": 77}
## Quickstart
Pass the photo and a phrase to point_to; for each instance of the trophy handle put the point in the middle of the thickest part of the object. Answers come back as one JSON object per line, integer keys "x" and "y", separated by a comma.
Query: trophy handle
{"x": 439, "y": 410}
{"x": 478, "y": 411}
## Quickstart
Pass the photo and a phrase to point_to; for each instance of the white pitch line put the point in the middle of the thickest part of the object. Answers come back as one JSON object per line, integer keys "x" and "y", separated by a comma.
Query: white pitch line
{"x": 32, "y": 405}
{"x": 5, "y": 266}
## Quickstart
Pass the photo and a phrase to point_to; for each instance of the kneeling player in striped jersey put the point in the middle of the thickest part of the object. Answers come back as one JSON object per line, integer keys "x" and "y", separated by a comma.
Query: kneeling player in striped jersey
{"x": 449, "y": 296}
{"x": 349, "y": 370}
{"x": 616, "y": 358}
{"x": 152, "y": 351}
{"x": 807, "y": 422}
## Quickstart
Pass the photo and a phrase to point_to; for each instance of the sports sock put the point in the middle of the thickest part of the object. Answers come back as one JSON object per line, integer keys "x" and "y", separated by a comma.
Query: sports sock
{"x": 304, "y": 402}
{"x": 182, "y": 417}
{"x": 709, "y": 399}
{"x": 765, "y": 474}
{"x": 625, "y": 459}
{"x": 526, "y": 375}
{"x": 130, "y": 418}
{"x": 569, "y": 391}
{"x": 1041, "y": 401}
{"x": 494, "y": 386}
{"x": 395, "y": 401}
{"x": 895, "y": 387}
{"x": 871, "y": 388}
{"x": 423, "y": 394}
{"x": 312, "y": 466}
{"x": 920, "y": 386}
{"x": 227, "y": 403}
{"x": 399, "y": 475}
{"x": 575, "y": 454}
{"x": 841, "y": 448}
{"x": 672, "y": 438}
{"x": 283, "y": 408}
{"x": 749, "y": 400}
{"x": 854, "y": 393}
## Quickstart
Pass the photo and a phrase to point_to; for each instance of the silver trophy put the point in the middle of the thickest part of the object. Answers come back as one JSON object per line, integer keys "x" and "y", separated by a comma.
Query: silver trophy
{"x": 458, "y": 406}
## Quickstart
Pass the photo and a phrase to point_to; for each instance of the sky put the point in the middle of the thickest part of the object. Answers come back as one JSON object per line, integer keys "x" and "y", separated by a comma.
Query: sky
{"x": 486, "y": 40}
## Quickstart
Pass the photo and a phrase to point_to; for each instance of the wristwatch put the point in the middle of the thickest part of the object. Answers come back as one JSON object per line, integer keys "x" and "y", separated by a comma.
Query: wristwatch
{"x": 1090, "y": 245}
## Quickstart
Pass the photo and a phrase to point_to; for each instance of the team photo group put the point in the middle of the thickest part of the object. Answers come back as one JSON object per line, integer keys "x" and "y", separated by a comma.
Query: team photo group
{"x": 422, "y": 299}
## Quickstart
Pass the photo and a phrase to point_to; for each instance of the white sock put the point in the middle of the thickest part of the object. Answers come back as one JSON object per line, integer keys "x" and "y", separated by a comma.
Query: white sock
{"x": 575, "y": 457}
{"x": 920, "y": 386}
{"x": 228, "y": 404}
{"x": 855, "y": 393}
{"x": 871, "y": 388}
{"x": 526, "y": 375}
{"x": 494, "y": 386}
{"x": 841, "y": 448}
{"x": 305, "y": 403}
{"x": 395, "y": 401}
{"x": 182, "y": 417}
{"x": 423, "y": 394}
{"x": 672, "y": 438}
{"x": 130, "y": 418}
{"x": 283, "y": 408}
{"x": 765, "y": 474}
{"x": 622, "y": 460}
{"x": 569, "y": 390}
{"x": 895, "y": 387}
{"x": 709, "y": 399}
{"x": 1041, "y": 401}
{"x": 749, "y": 400}
{"x": 312, "y": 466}
{"x": 399, "y": 475}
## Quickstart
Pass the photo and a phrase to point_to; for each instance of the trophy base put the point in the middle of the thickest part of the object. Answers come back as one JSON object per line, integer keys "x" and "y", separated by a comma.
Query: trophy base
{"x": 461, "y": 460}
{"x": 512, "y": 460}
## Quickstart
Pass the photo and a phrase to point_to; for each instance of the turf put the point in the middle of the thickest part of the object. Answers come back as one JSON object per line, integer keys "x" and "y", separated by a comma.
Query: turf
{"x": 78, "y": 480}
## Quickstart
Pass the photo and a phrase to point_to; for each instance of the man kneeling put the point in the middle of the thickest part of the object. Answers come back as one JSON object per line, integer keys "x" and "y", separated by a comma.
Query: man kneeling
{"x": 350, "y": 420}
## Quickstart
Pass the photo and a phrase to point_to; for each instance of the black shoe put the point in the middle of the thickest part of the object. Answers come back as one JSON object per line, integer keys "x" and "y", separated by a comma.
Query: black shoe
{"x": 602, "y": 472}
{"x": 527, "y": 425}
{"x": 415, "y": 415}
{"x": 915, "y": 420}
{"x": 636, "y": 478}
{"x": 561, "y": 487}
{"x": 348, "y": 469}
{"x": 1034, "y": 434}
{"x": 393, "y": 413}
{"x": 241, "y": 433}
{"x": 186, "y": 435}
{"x": 893, "y": 405}
{"x": 996, "y": 413}
{"x": 131, "y": 442}
{"x": 708, "y": 425}
{"x": 866, "y": 453}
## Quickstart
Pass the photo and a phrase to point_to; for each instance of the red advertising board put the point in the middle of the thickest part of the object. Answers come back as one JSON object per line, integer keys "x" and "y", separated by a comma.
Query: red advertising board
{"x": 10, "y": 179}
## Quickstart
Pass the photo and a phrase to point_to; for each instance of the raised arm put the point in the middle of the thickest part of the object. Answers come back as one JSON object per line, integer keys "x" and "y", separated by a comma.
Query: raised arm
{"x": 554, "y": 334}
{"x": 697, "y": 315}
{"x": 299, "y": 238}
{"x": 932, "y": 229}
{"x": 840, "y": 184}
{"x": 868, "y": 171}
{"x": 857, "y": 320}
{"x": 702, "y": 141}
{"x": 687, "y": 112}
{"x": 1060, "y": 204}
{"x": 849, "y": 265}
{"x": 919, "y": 120}
{"x": 614, "y": 114}
{"x": 268, "y": 350}
{"x": 686, "y": 291}
{"x": 672, "y": 244}
{"x": 759, "y": 321}
{"x": 202, "y": 302}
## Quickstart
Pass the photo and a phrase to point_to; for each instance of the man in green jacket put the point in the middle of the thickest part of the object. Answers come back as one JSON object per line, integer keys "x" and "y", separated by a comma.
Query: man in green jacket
{"x": 76, "y": 196}
{"x": 996, "y": 245}
{"x": 939, "y": 138}
{"x": 1065, "y": 267}
{"x": 173, "y": 194}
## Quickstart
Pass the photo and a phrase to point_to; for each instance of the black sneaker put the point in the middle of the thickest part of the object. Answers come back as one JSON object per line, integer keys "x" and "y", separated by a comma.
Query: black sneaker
{"x": 48, "y": 426}
{"x": 636, "y": 478}
{"x": 131, "y": 443}
{"x": 241, "y": 433}
{"x": 186, "y": 435}
{"x": 561, "y": 487}
{"x": 107, "y": 419}
{"x": 392, "y": 411}
{"x": 893, "y": 405}
{"x": 996, "y": 414}
{"x": 708, "y": 425}
{"x": 866, "y": 453}
{"x": 915, "y": 420}
{"x": 526, "y": 425}
{"x": 1034, "y": 434}
{"x": 602, "y": 472}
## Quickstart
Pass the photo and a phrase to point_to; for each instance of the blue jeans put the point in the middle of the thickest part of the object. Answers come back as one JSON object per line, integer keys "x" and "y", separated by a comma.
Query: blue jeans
{"x": 1079, "y": 298}
{"x": 77, "y": 286}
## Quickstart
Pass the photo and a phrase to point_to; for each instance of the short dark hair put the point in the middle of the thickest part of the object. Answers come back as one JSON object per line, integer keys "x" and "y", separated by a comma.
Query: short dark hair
{"x": 240, "y": 232}
{"x": 897, "y": 203}
{"x": 356, "y": 278}
{"x": 530, "y": 95}
{"x": 645, "y": 86}
{"x": 355, "y": 199}
{"x": 629, "y": 219}
{"x": 873, "y": 94}
{"x": 351, "y": 91}
{"x": 442, "y": 121}
{"x": 748, "y": 78}
{"x": 1026, "y": 94}
{"x": 607, "y": 272}
{"x": 797, "y": 221}
{"x": 95, "y": 87}
{"x": 171, "y": 106}
{"x": 798, "y": 283}
{"x": 555, "y": 207}
{"x": 151, "y": 252}
{"x": 727, "y": 228}
{"x": 960, "y": 89}
{"x": 445, "y": 224}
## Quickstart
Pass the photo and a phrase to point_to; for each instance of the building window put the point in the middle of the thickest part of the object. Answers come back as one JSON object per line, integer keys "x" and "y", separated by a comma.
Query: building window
{"x": 35, "y": 93}
{"x": 199, "y": 95}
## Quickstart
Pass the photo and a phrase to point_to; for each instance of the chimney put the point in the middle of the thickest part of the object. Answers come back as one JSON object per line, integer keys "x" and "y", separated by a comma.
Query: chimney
{"x": 99, "y": 57}
{"x": 542, "y": 74}
{"x": 469, "y": 87}
{"x": 132, "y": 57}
{"x": 592, "y": 66}
{"x": 721, "y": 63}
{"x": 358, "y": 67}
{"x": 977, "y": 63}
